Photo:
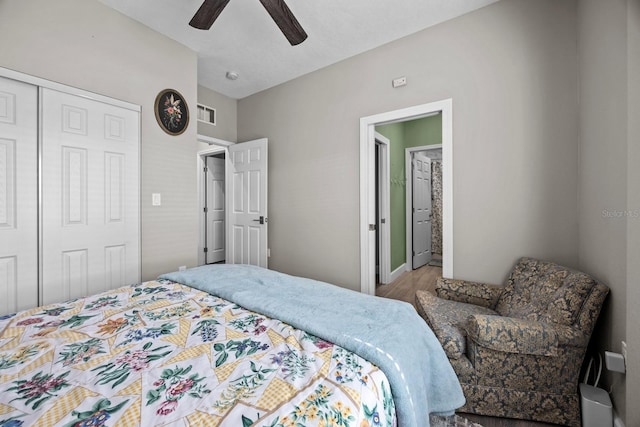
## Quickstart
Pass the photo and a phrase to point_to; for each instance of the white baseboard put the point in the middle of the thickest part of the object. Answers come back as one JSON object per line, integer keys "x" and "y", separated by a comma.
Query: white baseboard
{"x": 617, "y": 421}
{"x": 397, "y": 272}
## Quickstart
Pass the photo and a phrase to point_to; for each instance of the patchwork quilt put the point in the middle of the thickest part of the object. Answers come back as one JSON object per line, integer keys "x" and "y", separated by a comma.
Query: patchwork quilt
{"x": 165, "y": 354}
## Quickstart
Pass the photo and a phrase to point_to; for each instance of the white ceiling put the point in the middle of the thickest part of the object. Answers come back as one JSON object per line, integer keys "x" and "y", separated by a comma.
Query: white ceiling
{"x": 244, "y": 39}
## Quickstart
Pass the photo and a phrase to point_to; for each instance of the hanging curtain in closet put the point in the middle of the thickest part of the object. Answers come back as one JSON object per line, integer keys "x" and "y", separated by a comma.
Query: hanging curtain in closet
{"x": 436, "y": 194}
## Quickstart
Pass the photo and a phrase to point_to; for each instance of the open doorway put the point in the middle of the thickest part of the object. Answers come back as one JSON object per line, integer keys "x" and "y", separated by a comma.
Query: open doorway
{"x": 369, "y": 226}
{"x": 212, "y": 187}
{"x": 214, "y": 209}
{"x": 235, "y": 226}
{"x": 414, "y": 145}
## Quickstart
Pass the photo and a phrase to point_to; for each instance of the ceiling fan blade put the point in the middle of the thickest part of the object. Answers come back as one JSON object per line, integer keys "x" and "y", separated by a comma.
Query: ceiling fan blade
{"x": 285, "y": 20}
{"x": 207, "y": 14}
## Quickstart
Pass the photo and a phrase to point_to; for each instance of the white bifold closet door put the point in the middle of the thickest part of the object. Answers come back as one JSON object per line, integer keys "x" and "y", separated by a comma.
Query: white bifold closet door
{"x": 90, "y": 196}
{"x": 18, "y": 196}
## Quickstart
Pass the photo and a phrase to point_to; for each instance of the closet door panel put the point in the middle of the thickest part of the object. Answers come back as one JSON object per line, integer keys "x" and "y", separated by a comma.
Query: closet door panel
{"x": 18, "y": 196}
{"x": 90, "y": 195}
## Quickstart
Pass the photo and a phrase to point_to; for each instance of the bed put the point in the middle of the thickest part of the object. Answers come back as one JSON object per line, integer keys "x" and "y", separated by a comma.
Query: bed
{"x": 223, "y": 345}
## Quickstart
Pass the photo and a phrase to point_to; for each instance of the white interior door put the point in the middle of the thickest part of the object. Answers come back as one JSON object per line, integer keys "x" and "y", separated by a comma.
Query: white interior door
{"x": 18, "y": 196}
{"x": 421, "y": 174}
{"x": 215, "y": 210}
{"x": 383, "y": 233}
{"x": 247, "y": 184}
{"x": 90, "y": 196}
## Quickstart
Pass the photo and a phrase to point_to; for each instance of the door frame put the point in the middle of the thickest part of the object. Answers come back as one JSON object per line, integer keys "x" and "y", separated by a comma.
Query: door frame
{"x": 408, "y": 156}
{"x": 217, "y": 146}
{"x": 384, "y": 241}
{"x": 367, "y": 185}
{"x": 71, "y": 90}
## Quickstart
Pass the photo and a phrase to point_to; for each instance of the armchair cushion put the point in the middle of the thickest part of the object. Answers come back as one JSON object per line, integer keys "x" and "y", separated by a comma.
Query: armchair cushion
{"x": 512, "y": 335}
{"x": 544, "y": 291}
{"x": 568, "y": 300}
{"x": 448, "y": 319}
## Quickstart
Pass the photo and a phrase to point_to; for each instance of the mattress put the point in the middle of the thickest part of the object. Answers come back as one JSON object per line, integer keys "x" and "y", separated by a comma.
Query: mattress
{"x": 164, "y": 353}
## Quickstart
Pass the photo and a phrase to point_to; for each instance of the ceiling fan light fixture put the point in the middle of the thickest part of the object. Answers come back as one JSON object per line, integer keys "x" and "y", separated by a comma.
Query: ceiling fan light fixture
{"x": 285, "y": 20}
{"x": 207, "y": 14}
{"x": 278, "y": 9}
{"x": 232, "y": 75}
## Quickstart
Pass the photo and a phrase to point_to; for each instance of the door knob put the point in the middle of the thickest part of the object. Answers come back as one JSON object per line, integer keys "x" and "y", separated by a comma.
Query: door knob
{"x": 261, "y": 220}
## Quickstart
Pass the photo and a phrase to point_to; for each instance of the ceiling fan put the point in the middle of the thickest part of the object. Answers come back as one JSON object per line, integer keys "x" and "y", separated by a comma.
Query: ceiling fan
{"x": 278, "y": 9}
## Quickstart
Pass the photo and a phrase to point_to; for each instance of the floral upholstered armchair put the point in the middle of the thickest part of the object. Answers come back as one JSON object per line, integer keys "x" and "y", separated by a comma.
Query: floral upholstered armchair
{"x": 518, "y": 349}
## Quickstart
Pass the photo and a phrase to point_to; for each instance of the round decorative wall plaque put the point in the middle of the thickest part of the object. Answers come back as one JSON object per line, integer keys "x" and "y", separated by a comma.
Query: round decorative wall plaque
{"x": 172, "y": 112}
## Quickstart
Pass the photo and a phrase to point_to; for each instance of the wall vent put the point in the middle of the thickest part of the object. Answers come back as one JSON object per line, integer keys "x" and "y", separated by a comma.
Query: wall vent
{"x": 206, "y": 114}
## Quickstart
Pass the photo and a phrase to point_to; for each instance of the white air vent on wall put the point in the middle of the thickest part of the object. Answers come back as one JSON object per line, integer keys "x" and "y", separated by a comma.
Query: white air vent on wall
{"x": 206, "y": 114}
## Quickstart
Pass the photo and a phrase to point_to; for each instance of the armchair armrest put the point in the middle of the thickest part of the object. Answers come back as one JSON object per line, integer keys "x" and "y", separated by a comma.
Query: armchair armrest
{"x": 469, "y": 292}
{"x": 571, "y": 336}
{"x": 513, "y": 335}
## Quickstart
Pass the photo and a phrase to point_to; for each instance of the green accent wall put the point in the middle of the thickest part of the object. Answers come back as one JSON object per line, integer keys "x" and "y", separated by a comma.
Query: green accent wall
{"x": 395, "y": 133}
{"x": 414, "y": 133}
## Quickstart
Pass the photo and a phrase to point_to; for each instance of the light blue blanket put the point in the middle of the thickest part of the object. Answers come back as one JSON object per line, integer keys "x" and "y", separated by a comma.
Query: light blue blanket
{"x": 387, "y": 333}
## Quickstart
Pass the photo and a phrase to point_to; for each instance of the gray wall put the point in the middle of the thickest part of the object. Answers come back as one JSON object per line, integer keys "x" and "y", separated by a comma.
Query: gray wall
{"x": 609, "y": 210}
{"x": 633, "y": 204}
{"x": 85, "y": 44}
{"x": 510, "y": 69}
{"x": 226, "y": 127}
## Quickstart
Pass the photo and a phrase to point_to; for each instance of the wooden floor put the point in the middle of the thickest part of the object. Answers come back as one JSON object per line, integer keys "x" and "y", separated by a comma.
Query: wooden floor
{"x": 404, "y": 289}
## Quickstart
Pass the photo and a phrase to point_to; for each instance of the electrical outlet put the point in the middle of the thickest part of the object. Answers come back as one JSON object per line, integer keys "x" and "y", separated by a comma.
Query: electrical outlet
{"x": 614, "y": 362}
{"x": 182, "y": 268}
{"x": 400, "y": 81}
{"x": 624, "y": 350}
{"x": 156, "y": 199}
{"x": 268, "y": 252}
